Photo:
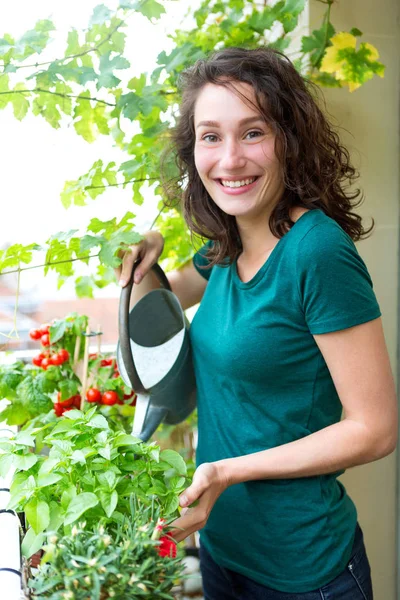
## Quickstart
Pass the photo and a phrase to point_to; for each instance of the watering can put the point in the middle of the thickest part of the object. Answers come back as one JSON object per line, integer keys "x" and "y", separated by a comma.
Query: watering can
{"x": 154, "y": 357}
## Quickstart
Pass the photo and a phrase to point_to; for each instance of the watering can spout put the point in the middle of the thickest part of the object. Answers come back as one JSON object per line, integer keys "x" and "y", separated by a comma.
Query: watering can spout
{"x": 154, "y": 416}
{"x": 154, "y": 341}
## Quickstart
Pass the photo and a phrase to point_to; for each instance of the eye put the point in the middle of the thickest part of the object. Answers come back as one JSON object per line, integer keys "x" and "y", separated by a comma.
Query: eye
{"x": 253, "y": 134}
{"x": 209, "y": 137}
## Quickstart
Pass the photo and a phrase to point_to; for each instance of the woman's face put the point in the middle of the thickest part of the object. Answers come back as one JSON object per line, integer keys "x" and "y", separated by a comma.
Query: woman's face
{"x": 234, "y": 152}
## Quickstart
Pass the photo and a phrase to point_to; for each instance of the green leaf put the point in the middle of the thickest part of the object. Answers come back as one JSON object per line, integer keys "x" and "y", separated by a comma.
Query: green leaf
{"x": 74, "y": 414}
{"x": 35, "y": 40}
{"x": 105, "y": 452}
{"x": 108, "y": 501}
{"x": 6, "y": 461}
{"x": 16, "y": 254}
{"x": 25, "y": 439}
{"x": 149, "y": 8}
{"x": 78, "y": 457}
{"x": 24, "y": 462}
{"x": 175, "y": 460}
{"x": 51, "y": 103}
{"x": 84, "y": 286}
{"x": 45, "y": 480}
{"x": 38, "y": 514}
{"x": 100, "y": 15}
{"x": 126, "y": 440}
{"x": 118, "y": 240}
{"x": 107, "y": 479}
{"x": 67, "y": 496}
{"x": 98, "y": 422}
{"x": 90, "y": 241}
{"x": 107, "y": 67}
{"x": 171, "y": 505}
{"x": 78, "y": 505}
{"x": 32, "y": 542}
{"x": 56, "y": 516}
{"x": 57, "y": 330}
{"x": 20, "y": 102}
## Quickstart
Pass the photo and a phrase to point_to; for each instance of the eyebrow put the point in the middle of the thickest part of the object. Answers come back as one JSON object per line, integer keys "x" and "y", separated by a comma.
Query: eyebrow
{"x": 245, "y": 121}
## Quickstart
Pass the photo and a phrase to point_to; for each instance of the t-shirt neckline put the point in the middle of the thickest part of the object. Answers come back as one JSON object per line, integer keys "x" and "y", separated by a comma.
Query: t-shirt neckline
{"x": 263, "y": 269}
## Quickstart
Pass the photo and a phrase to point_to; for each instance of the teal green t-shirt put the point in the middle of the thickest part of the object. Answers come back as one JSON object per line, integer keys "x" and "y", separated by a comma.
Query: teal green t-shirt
{"x": 263, "y": 382}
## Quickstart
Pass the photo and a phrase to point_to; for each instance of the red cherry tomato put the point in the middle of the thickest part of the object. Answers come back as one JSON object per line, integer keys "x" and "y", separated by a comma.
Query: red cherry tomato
{"x": 63, "y": 354}
{"x": 93, "y": 395}
{"x": 58, "y": 409}
{"x": 67, "y": 403}
{"x": 45, "y": 328}
{"x": 45, "y": 363}
{"x": 56, "y": 359}
{"x": 133, "y": 403}
{"x": 106, "y": 362}
{"x": 92, "y": 356}
{"x": 109, "y": 398}
{"x": 35, "y": 334}
{"x": 36, "y": 360}
{"x": 77, "y": 401}
{"x": 45, "y": 339}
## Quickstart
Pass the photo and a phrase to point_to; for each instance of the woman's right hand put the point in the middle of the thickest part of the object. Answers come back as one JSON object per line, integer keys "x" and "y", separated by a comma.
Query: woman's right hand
{"x": 148, "y": 251}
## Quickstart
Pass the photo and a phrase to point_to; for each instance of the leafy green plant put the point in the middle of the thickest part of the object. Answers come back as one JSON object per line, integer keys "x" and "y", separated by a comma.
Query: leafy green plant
{"x": 88, "y": 88}
{"x": 123, "y": 562}
{"x": 52, "y": 380}
{"x": 89, "y": 470}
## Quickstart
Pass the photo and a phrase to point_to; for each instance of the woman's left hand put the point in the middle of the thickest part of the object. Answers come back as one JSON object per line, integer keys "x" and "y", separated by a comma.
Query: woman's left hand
{"x": 208, "y": 484}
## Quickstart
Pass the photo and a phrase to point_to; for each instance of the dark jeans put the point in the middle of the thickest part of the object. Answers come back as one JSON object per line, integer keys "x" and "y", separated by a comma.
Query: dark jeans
{"x": 354, "y": 583}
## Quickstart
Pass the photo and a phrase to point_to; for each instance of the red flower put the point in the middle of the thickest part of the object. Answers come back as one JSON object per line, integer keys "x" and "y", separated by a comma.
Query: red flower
{"x": 167, "y": 547}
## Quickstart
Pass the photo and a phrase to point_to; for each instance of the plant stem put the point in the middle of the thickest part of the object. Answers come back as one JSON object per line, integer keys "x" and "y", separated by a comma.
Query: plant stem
{"x": 85, "y": 366}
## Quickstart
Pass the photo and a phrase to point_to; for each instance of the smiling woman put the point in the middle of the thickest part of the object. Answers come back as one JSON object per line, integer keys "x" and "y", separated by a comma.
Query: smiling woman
{"x": 288, "y": 335}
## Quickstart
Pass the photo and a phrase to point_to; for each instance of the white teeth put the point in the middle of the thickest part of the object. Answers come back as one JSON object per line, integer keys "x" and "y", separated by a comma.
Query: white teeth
{"x": 236, "y": 184}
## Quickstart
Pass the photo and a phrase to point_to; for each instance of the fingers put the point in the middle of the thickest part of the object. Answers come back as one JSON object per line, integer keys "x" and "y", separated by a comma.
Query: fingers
{"x": 192, "y": 520}
{"x": 200, "y": 483}
{"x": 129, "y": 258}
{"x": 147, "y": 261}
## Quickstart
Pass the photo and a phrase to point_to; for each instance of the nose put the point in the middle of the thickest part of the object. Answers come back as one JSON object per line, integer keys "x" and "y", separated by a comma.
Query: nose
{"x": 232, "y": 155}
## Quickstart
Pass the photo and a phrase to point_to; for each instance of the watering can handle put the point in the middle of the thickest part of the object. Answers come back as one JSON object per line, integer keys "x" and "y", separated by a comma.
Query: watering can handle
{"x": 123, "y": 326}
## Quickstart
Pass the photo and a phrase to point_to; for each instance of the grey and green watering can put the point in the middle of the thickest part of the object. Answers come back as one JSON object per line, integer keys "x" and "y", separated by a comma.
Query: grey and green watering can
{"x": 154, "y": 356}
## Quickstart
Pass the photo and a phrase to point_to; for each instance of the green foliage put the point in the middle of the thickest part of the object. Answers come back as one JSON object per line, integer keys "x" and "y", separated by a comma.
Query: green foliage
{"x": 89, "y": 88}
{"x": 121, "y": 561}
{"x": 90, "y": 470}
{"x": 27, "y": 390}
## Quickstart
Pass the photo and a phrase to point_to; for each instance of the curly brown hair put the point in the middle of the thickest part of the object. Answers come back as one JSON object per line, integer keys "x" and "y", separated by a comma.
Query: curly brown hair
{"x": 316, "y": 168}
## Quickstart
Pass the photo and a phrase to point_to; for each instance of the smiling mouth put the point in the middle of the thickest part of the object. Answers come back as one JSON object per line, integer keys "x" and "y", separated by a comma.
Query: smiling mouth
{"x": 238, "y": 183}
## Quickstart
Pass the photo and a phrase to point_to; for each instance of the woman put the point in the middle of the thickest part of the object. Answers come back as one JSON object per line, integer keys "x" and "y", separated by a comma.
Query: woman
{"x": 288, "y": 334}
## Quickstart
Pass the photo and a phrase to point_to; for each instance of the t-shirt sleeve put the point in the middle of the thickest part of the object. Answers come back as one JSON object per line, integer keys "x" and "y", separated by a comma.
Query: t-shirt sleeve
{"x": 335, "y": 287}
{"x": 200, "y": 261}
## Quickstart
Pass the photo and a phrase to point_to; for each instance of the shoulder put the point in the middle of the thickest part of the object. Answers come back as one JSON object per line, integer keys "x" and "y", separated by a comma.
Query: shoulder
{"x": 321, "y": 236}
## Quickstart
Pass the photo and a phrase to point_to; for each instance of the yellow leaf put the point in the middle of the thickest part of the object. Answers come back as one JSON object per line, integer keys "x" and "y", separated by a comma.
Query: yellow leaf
{"x": 373, "y": 52}
{"x": 329, "y": 63}
{"x": 340, "y": 75}
{"x": 353, "y": 86}
{"x": 344, "y": 40}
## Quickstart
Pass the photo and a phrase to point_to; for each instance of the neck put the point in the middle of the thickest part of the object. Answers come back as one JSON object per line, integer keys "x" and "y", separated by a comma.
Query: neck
{"x": 256, "y": 238}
